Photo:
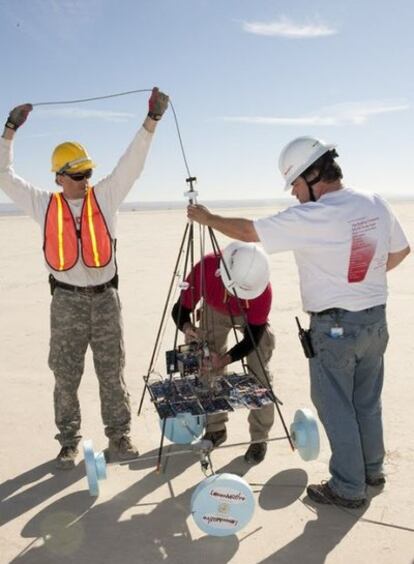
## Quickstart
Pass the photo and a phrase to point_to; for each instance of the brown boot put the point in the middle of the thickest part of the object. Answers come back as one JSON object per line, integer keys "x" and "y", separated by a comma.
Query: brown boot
{"x": 322, "y": 493}
{"x": 65, "y": 460}
{"x": 122, "y": 449}
{"x": 217, "y": 438}
{"x": 255, "y": 453}
{"x": 377, "y": 481}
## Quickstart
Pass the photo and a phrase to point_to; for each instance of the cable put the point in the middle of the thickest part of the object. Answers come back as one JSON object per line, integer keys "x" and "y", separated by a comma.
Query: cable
{"x": 61, "y": 102}
{"x": 81, "y": 100}
{"x": 179, "y": 138}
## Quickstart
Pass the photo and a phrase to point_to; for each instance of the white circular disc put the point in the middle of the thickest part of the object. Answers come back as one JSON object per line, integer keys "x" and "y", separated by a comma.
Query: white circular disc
{"x": 222, "y": 505}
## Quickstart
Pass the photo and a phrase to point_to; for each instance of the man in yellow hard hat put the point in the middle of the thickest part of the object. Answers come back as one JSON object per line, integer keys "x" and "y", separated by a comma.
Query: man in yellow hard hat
{"x": 78, "y": 225}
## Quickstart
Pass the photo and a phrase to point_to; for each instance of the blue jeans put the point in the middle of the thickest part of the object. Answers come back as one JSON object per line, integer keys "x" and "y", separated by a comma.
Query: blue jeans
{"x": 346, "y": 382}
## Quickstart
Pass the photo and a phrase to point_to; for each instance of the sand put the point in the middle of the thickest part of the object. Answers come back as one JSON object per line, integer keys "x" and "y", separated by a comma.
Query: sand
{"x": 47, "y": 516}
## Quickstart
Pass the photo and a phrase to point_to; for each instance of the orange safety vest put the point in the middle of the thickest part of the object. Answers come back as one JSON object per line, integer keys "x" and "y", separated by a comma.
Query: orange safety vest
{"x": 60, "y": 245}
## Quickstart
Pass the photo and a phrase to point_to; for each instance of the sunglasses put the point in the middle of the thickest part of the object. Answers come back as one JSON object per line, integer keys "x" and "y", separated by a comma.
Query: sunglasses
{"x": 77, "y": 177}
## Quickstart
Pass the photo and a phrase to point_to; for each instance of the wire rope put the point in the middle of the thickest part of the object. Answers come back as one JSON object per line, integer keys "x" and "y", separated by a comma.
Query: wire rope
{"x": 116, "y": 95}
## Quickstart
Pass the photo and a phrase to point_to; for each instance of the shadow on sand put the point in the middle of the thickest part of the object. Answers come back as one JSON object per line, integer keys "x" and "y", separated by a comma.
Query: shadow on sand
{"x": 77, "y": 529}
{"x": 47, "y": 482}
{"x": 73, "y": 529}
{"x": 321, "y": 534}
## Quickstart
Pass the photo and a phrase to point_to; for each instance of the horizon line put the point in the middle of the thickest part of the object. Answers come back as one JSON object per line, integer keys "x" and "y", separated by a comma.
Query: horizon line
{"x": 9, "y": 208}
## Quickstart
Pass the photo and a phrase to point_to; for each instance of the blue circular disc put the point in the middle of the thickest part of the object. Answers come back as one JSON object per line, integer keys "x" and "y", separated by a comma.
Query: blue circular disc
{"x": 222, "y": 505}
{"x": 305, "y": 434}
{"x": 184, "y": 428}
{"x": 90, "y": 465}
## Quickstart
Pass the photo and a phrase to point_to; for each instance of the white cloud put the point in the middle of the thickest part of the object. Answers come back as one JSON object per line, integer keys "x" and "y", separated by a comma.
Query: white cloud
{"x": 80, "y": 113}
{"x": 284, "y": 27}
{"x": 355, "y": 113}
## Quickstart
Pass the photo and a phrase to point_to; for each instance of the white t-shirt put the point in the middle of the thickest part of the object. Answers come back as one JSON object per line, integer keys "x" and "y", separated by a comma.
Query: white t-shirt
{"x": 110, "y": 192}
{"x": 341, "y": 245}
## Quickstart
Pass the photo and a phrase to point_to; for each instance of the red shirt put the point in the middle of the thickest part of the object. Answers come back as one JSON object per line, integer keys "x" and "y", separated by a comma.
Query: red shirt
{"x": 217, "y": 297}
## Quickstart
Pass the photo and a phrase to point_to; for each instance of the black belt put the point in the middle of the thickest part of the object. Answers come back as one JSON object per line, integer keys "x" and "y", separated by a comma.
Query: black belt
{"x": 113, "y": 283}
{"x": 328, "y": 311}
{"x": 336, "y": 310}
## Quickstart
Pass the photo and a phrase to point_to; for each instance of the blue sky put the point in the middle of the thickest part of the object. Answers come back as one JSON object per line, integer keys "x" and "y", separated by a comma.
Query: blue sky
{"x": 245, "y": 78}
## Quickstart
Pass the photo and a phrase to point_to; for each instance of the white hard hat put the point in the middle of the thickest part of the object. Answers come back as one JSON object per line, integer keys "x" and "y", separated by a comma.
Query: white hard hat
{"x": 298, "y": 155}
{"x": 245, "y": 269}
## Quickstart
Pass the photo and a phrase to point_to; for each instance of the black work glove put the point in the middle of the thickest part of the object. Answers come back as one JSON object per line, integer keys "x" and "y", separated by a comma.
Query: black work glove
{"x": 157, "y": 104}
{"x": 18, "y": 116}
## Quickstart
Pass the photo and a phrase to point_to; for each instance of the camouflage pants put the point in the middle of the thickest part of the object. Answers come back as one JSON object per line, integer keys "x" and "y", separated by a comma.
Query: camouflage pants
{"x": 218, "y": 327}
{"x": 79, "y": 320}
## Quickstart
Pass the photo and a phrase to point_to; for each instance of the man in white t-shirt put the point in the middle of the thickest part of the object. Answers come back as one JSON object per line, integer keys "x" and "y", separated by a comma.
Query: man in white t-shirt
{"x": 344, "y": 242}
{"x": 79, "y": 244}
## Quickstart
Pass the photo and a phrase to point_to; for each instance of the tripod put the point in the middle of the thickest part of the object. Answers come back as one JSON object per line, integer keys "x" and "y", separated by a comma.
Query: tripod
{"x": 187, "y": 248}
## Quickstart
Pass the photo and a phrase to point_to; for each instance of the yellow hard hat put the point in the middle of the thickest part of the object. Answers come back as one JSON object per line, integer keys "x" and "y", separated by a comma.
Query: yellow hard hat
{"x": 71, "y": 157}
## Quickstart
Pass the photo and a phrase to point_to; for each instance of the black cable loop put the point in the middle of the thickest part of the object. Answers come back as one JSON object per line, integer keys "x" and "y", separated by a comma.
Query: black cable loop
{"x": 180, "y": 139}
{"x": 80, "y": 100}
{"x": 126, "y": 93}
{"x": 189, "y": 253}
{"x": 190, "y": 250}
{"x": 94, "y": 98}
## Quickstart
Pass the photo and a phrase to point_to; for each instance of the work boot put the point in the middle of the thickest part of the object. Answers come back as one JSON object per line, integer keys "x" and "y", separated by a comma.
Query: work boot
{"x": 66, "y": 457}
{"x": 122, "y": 449}
{"x": 322, "y": 493}
{"x": 255, "y": 453}
{"x": 216, "y": 437}
{"x": 377, "y": 481}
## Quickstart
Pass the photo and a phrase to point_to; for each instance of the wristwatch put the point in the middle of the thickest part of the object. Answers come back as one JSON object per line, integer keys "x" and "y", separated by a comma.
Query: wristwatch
{"x": 154, "y": 116}
{"x": 10, "y": 125}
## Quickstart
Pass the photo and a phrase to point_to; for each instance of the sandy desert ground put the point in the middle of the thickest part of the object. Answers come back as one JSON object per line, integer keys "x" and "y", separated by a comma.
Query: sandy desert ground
{"x": 47, "y": 516}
